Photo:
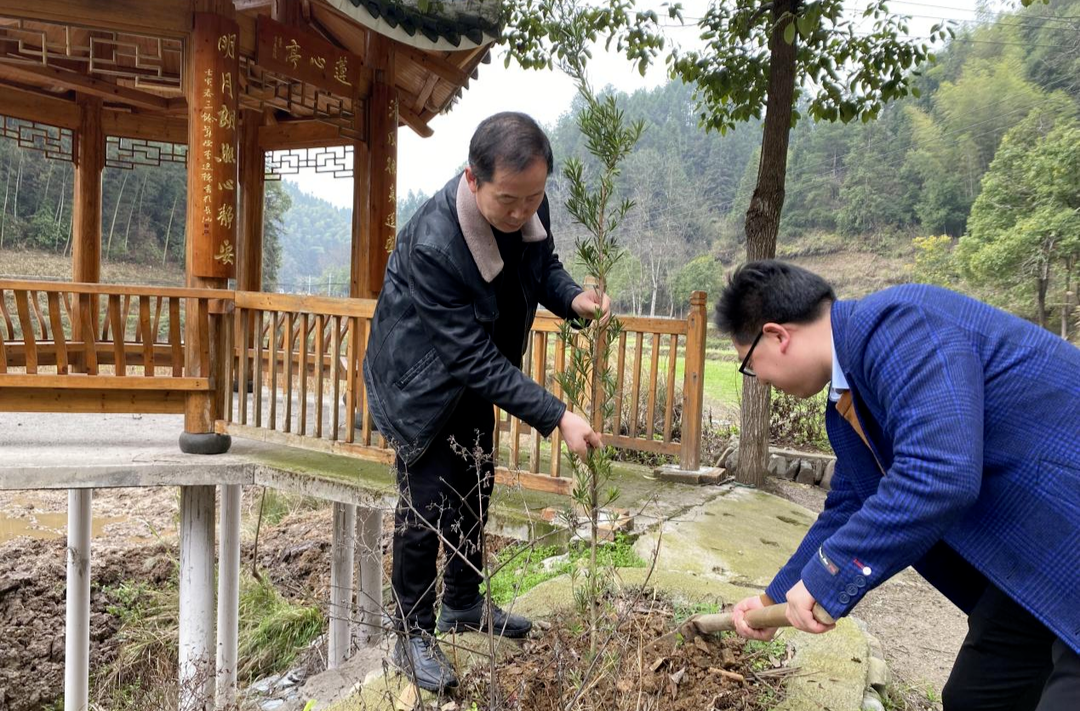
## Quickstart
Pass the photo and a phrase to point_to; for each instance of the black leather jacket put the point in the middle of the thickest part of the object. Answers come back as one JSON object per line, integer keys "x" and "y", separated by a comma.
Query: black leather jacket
{"x": 431, "y": 335}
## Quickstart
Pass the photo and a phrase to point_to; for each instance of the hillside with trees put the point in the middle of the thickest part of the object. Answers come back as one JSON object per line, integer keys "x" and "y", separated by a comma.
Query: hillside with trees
{"x": 919, "y": 188}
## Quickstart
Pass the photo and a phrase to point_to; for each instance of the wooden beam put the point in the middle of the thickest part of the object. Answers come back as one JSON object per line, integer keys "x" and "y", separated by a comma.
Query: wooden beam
{"x": 150, "y": 127}
{"x": 167, "y": 18}
{"x": 410, "y": 119}
{"x": 448, "y": 71}
{"x": 536, "y": 482}
{"x": 425, "y": 93}
{"x": 101, "y": 382}
{"x": 166, "y": 402}
{"x": 32, "y": 106}
{"x": 83, "y": 84}
{"x": 300, "y": 134}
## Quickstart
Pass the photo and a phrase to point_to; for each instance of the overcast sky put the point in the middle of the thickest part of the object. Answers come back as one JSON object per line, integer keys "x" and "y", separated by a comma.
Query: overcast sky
{"x": 426, "y": 164}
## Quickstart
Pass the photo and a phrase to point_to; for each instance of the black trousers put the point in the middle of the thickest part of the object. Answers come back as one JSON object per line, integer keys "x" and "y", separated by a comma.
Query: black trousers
{"x": 1010, "y": 662}
{"x": 443, "y": 498}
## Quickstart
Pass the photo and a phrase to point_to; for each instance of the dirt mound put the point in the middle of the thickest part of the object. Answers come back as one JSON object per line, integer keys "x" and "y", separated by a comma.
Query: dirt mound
{"x": 32, "y": 597}
{"x": 633, "y": 670}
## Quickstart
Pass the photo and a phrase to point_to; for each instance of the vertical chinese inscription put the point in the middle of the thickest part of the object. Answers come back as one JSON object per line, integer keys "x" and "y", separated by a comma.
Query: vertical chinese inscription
{"x": 214, "y": 176}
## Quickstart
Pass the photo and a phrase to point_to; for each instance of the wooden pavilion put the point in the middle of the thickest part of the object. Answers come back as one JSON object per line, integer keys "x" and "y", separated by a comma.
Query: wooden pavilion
{"x": 240, "y": 91}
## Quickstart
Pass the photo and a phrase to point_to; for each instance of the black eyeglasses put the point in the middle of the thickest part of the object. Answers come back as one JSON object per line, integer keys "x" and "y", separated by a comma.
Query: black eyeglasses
{"x": 744, "y": 367}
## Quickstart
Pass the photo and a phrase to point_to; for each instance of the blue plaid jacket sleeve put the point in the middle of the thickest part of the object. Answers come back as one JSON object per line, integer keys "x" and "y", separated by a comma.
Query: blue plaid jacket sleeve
{"x": 840, "y": 504}
{"x": 933, "y": 382}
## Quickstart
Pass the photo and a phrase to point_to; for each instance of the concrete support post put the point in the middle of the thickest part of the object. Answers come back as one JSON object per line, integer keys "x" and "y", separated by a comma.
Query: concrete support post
{"x": 228, "y": 612}
{"x": 341, "y": 575}
{"x": 196, "y": 598}
{"x": 77, "y": 630}
{"x": 369, "y": 598}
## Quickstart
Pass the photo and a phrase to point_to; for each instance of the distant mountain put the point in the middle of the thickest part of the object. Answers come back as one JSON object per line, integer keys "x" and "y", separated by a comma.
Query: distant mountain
{"x": 316, "y": 235}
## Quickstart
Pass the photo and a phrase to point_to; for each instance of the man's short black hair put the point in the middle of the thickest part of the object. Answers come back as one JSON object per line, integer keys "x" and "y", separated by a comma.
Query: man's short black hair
{"x": 769, "y": 291}
{"x": 511, "y": 140}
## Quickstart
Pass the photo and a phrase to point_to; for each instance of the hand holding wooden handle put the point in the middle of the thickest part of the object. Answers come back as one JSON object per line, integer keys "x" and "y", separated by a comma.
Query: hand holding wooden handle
{"x": 759, "y": 619}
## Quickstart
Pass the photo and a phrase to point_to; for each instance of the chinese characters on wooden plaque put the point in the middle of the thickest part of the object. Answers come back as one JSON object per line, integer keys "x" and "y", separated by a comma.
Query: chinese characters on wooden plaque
{"x": 216, "y": 74}
{"x": 306, "y": 57}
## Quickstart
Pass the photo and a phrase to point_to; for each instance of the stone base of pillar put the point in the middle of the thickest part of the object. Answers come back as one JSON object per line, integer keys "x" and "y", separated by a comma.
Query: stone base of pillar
{"x": 204, "y": 443}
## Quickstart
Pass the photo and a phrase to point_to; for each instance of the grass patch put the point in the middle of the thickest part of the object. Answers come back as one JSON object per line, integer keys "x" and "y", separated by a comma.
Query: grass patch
{"x": 722, "y": 382}
{"x": 276, "y": 506}
{"x": 273, "y": 632}
{"x": 764, "y": 655}
{"x": 521, "y": 567}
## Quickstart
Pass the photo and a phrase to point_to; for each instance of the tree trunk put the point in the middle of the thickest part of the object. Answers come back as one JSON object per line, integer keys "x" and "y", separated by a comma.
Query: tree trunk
{"x": 48, "y": 184}
{"x": 3, "y": 213}
{"x": 168, "y": 231}
{"x": 1066, "y": 300}
{"x": 60, "y": 206}
{"x": 762, "y": 225}
{"x": 116, "y": 209}
{"x": 1040, "y": 303}
{"x": 137, "y": 200}
{"x": 18, "y": 182}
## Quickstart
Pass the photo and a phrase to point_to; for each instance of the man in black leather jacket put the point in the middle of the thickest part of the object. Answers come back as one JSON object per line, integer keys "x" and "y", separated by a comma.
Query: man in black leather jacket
{"x": 449, "y": 331}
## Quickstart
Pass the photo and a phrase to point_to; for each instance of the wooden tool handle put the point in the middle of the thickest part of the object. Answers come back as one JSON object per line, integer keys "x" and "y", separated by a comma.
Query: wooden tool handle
{"x": 776, "y": 616}
{"x": 764, "y": 618}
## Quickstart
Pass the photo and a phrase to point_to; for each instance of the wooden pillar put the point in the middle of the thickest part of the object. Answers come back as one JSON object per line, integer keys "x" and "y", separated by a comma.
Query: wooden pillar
{"x": 380, "y": 218}
{"x": 252, "y": 195}
{"x": 86, "y": 205}
{"x": 86, "y": 210}
{"x": 212, "y": 89}
{"x": 361, "y": 232}
{"x": 694, "y": 382}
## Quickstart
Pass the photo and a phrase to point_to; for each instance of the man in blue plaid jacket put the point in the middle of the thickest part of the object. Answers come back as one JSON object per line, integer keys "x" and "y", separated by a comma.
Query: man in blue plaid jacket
{"x": 956, "y": 428}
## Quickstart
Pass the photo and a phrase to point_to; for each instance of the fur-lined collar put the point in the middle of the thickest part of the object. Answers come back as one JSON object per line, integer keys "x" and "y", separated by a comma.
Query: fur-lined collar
{"x": 480, "y": 238}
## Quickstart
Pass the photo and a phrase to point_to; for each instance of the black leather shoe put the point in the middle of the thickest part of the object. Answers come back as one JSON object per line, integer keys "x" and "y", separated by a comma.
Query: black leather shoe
{"x": 419, "y": 658}
{"x": 475, "y": 619}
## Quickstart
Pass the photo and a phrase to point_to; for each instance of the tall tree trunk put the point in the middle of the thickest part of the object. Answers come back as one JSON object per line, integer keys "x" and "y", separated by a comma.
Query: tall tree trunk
{"x": 60, "y": 206}
{"x": 3, "y": 213}
{"x": 762, "y": 225}
{"x": 48, "y": 183}
{"x": 1040, "y": 296}
{"x": 1066, "y": 301}
{"x": 168, "y": 231}
{"x": 116, "y": 209}
{"x": 18, "y": 182}
{"x": 137, "y": 200}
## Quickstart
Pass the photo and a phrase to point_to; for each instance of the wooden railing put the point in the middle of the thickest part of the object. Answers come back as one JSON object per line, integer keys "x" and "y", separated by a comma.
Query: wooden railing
{"x": 645, "y": 417}
{"x": 295, "y": 369}
{"x": 70, "y": 347}
{"x": 302, "y": 356}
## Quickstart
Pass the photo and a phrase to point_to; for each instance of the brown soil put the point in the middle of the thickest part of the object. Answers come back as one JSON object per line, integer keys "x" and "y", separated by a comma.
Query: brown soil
{"x": 920, "y": 630}
{"x": 32, "y": 584}
{"x": 294, "y": 554}
{"x": 138, "y": 544}
{"x": 635, "y": 670}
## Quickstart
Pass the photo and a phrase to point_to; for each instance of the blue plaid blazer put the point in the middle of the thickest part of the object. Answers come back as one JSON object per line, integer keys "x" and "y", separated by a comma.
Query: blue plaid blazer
{"x": 972, "y": 473}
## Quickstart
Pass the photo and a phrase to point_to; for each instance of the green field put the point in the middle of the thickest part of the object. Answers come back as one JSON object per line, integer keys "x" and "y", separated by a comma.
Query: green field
{"x": 723, "y": 384}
